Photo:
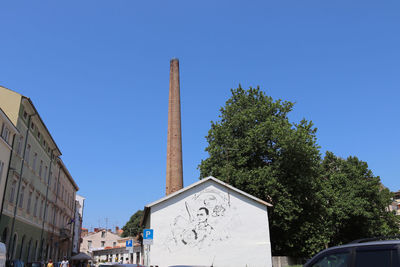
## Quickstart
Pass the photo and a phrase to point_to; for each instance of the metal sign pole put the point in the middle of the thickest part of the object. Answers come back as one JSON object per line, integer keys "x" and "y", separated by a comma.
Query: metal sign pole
{"x": 148, "y": 255}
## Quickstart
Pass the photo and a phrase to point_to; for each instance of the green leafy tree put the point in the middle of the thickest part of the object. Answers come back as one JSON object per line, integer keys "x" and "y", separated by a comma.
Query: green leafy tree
{"x": 356, "y": 202}
{"x": 133, "y": 227}
{"x": 255, "y": 148}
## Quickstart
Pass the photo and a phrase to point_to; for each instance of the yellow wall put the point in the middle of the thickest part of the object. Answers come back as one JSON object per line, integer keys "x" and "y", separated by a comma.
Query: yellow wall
{"x": 10, "y": 102}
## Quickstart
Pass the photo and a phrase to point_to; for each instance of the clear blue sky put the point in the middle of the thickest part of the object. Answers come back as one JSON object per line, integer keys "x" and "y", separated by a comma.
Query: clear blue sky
{"x": 98, "y": 73}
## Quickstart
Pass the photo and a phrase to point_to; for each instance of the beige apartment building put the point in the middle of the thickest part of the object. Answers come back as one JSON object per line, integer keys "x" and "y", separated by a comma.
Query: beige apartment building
{"x": 106, "y": 246}
{"x": 99, "y": 240}
{"x": 39, "y": 202}
{"x": 7, "y": 135}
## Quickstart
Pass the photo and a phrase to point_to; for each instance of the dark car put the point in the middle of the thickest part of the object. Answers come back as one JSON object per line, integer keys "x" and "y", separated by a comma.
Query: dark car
{"x": 35, "y": 264}
{"x": 15, "y": 263}
{"x": 360, "y": 253}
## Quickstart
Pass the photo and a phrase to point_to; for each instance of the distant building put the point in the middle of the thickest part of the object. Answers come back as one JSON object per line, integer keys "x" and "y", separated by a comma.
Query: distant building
{"x": 99, "y": 240}
{"x": 106, "y": 246}
{"x": 118, "y": 231}
{"x": 208, "y": 223}
{"x": 38, "y": 210}
{"x": 84, "y": 232}
{"x": 395, "y": 206}
{"x": 119, "y": 253}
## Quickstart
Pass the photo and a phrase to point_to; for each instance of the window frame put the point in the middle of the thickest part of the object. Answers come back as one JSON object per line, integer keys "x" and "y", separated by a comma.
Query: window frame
{"x": 331, "y": 252}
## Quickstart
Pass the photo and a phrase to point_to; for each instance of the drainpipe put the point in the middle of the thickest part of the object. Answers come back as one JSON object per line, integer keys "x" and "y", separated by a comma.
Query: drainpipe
{"x": 45, "y": 207}
{"x": 73, "y": 226}
{"x": 11, "y": 245}
{"x": 5, "y": 186}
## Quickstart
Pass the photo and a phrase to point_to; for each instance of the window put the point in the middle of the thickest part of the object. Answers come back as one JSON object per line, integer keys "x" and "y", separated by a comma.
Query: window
{"x": 28, "y": 150}
{"x": 32, "y": 126}
{"x": 338, "y": 259}
{"x": 41, "y": 209}
{"x": 5, "y": 133}
{"x": 12, "y": 191}
{"x": 367, "y": 257}
{"x": 45, "y": 172}
{"x": 19, "y": 146}
{"x": 1, "y": 169}
{"x": 35, "y": 206}
{"x": 28, "y": 205}
{"x": 114, "y": 244}
{"x": 89, "y": 244}
{"x": 50, "y": 211}
{"x": 40, "y": 168}
{"x": 103, "y": 243}
{"x": 21, "y": 197}
{"x": 38, "y": 135}
{"x": 25, "y": 115}
{"x": 34, "y": 162}
{"x": 55, "y": 186}
{"x": 55, "y": 217}
{"x": 103, "y": 234}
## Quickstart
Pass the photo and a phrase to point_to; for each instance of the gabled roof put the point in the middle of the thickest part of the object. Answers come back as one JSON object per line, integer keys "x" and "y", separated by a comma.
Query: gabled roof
{"x": 148, "y": 206}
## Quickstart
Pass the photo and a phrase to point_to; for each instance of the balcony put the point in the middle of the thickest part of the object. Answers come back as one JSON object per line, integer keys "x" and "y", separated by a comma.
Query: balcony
{"x": 65, "y": 233}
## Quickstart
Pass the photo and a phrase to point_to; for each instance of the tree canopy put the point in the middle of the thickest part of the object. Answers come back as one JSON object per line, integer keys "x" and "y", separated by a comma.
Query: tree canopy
{"x": 355, "y": 201}
{"x": 133, "y": 227}
{"x": 254, "y": 147}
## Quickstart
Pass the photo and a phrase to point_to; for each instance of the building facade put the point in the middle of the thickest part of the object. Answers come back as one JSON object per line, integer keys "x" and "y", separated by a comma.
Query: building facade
{"x": 395, "y": 205}
{"x": 209, "y": 223}
{"x": 7, "y": 135}
{"x": 38, "y": 209}
{"x": 79, "y": 205}
{"x": 105, "y": 246}
{"x": 100, "y": 239}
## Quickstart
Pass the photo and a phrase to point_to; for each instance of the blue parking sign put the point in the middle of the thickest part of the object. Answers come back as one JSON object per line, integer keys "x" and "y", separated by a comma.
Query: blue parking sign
{"x": 148, "y": 234}
{"x": 129, "y": 243}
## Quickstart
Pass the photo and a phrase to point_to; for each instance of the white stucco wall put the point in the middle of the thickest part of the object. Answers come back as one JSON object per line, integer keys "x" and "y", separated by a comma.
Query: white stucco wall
{"x": 234, "y": 233}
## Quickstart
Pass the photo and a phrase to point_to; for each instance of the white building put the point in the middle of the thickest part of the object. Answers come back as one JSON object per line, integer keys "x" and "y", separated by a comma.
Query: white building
{"x": 79, "y": 204}
{"x": 209, "y": 222}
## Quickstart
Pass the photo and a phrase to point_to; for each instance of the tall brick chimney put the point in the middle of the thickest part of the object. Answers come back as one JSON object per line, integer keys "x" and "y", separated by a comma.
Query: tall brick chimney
{"x": 174, "y": 143}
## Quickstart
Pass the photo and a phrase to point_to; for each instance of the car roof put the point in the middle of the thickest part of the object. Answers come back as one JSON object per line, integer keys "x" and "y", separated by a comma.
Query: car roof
{"x": 361, "y": 244}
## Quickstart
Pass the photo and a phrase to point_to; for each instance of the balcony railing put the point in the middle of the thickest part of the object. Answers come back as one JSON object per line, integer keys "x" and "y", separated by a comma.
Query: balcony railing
{"x": 65, "y": 233}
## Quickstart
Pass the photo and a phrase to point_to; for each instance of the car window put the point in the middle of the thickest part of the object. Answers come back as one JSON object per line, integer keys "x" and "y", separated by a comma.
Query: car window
{"x": 333, "y": 260}
{"x": 375, "y": 258}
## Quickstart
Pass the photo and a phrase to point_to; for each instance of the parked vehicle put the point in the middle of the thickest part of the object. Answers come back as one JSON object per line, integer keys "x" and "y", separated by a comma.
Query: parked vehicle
{"x": 107, "y": 264}
{"x": 372, "y": 252}
{"x": 15, "y": 263}
{"x": 35, "y": 264}
{"x": 127, "y": 265}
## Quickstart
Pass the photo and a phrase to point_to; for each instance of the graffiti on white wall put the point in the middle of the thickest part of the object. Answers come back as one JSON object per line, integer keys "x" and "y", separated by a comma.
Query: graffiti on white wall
{"x": 205, "y": 218}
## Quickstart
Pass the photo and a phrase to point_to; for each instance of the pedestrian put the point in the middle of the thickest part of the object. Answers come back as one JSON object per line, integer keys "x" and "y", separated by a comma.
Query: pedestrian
{"x": 50, "y": 264}
{"x": 65, "y": 262}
